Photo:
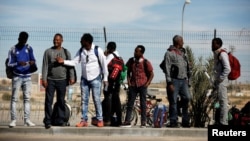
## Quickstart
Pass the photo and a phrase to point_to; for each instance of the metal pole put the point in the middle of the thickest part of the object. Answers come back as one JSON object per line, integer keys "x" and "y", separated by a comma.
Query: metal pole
{"x": 214, "y": 33}
{"x": 182, "y": 19}
{"x": 105, "y": 37}
{"x": 186, "y": 2}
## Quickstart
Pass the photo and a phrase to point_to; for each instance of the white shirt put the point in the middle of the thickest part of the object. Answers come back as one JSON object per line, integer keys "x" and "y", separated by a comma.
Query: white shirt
{"x": 89, "y": 63}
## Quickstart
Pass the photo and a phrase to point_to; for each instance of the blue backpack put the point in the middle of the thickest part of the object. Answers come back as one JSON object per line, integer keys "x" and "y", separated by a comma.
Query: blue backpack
{"x": 160, "y": 115}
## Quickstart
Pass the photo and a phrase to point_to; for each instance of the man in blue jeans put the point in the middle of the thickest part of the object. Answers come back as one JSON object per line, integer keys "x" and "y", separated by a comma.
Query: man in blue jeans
{"x": 93, "y": 67}
{"x": 21, "y": 57}
{"x": 177, "y": 77}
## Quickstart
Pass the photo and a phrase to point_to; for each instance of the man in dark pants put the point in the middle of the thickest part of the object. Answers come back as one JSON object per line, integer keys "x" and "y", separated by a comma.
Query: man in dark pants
{"x": 54, "y": 79}
{"x": 112, "y": 102}
{"x": 139, "y": 76}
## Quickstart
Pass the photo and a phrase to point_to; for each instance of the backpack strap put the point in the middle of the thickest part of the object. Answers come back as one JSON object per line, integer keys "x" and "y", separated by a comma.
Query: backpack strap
{"x": 69, "y": 67}
{"x": 219, "y": 60}
{"x": 132, "y": 60}
{"x": 96, "y": 54}
{"x": 115, "y": 55}
{"x": 80, "y": 56}
{"x": 222, "y": 50}
{"x": 66, "y": 54}
{"x": 145, "y": 66}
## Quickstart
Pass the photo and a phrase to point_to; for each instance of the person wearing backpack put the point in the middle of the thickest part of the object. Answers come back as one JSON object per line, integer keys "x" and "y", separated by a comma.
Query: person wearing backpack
{"x": 54, "y": 79}
{"x": 21, "y": 58}
{"x": 177, "y": 77}
{"x": 222, "y": 70}
{"x": 93, "y": 67}
{"x": 112, "y": 102}
{"x": 139, "y": 76}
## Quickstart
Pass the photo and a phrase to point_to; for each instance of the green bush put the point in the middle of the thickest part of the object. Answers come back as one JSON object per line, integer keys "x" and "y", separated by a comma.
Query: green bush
{"x": 6, "y": 96}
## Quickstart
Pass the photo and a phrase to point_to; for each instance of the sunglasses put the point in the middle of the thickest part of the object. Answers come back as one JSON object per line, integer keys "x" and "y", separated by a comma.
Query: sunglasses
{"x": 87, "y": 58}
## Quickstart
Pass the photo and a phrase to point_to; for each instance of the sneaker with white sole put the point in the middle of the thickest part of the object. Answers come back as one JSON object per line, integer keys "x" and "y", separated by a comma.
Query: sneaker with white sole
{"x": 12, "y": 123}
{"x": 126, "y": 124}
{"x": 29, "y": 123}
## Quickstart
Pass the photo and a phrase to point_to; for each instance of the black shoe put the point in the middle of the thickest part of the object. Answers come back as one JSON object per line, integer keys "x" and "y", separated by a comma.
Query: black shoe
{"x": 47, "y": 126}
{"x": 175, "y": 125}
{"x": 218, "y": 124}
{"x": 65, "y": 124}
{"x": 185, "y": 125}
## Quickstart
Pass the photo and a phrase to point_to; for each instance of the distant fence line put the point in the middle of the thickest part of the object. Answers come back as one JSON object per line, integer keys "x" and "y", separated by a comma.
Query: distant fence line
{"x": 155, "y": 41}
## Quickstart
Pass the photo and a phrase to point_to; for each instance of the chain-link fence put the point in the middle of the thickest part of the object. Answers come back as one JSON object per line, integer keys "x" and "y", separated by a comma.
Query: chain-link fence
{"x": 155, "y": 41}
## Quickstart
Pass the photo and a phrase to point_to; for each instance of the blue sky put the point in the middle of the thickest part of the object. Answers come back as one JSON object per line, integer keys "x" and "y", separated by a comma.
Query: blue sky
{"x": 199, "y": 15}
{"x": 148, "y": 14}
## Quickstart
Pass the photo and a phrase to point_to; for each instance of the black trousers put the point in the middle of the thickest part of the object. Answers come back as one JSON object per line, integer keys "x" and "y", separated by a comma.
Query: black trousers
{"x": 112, "y": 103}
{"x": 58, "y": 86}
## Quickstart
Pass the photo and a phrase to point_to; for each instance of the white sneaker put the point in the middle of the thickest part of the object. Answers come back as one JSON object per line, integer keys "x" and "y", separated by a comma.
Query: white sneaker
{"x": 12, "y": 123}
{"x": 29, "y": 123}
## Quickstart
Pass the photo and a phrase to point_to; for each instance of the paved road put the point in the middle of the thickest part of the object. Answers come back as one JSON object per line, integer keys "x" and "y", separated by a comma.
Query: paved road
{"x": 36, "y": 137}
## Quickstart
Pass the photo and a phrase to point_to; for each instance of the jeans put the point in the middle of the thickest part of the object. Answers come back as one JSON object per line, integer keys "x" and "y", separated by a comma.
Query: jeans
{"x": 25, "y": 85}
{"x": 180, "y": 88}
{"x": 133, "y": 91}
{"x": 58, "y": 86}
{"x": 95, "y": 87}
{"x": 223, "y": 101}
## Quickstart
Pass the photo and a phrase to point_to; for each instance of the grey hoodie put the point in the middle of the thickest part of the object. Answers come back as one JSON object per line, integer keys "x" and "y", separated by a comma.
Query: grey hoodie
{"x": 221, "y": 65}
{"x": 176, "y": 64}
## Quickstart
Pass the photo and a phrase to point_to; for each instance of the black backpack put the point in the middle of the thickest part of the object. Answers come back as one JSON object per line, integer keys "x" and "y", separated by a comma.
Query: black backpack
{"x": 234, "y": 118}
{"x": 246, "y": 109}
{"x": 163, "y": 66}
{"x": 69, "y": 68}
{"x": 8, "y": 70}
{"x": 55, "y": 119}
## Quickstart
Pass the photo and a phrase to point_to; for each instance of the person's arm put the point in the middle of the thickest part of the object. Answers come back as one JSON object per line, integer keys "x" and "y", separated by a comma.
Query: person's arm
{"x": 170, "y": 86}
{"x": 71, "y": 70}
{"x": 129, "y": 69}
{"x": 31, "y": 55}
{"x": 12, "y": 61}
{"x": 104, "y": 64}
{"x": 168, "y": 67}
{"x": 151, "y": 76}
{"x": 45, "y": 69}
{"x": 73, "y": 62}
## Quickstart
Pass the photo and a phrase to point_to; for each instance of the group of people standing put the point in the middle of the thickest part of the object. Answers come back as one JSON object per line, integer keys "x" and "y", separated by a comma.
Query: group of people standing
{"x": 95, "y": 76}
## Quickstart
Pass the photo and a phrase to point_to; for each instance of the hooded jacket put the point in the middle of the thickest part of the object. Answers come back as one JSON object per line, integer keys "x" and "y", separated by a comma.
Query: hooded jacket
{"x": 176, "y": 64}
{"x": 221, "y": 65}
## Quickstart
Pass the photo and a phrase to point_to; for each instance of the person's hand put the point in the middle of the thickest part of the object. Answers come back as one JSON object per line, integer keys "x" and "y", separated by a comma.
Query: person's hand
{"x": 22, "y": 63}
{"x": 170, "y": 88}
{"x": 105, "y": 83}
{"x": 59, "y": 60}
{"x": 45, "y": 84}
{"x": 216, "y": 83}
{"x": 71, "y": 81}
{"x": 31, "y": 62}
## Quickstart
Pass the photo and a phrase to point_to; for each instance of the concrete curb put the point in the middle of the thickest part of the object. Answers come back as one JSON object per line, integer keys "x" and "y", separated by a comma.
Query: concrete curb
{"x": 106, "y": 131}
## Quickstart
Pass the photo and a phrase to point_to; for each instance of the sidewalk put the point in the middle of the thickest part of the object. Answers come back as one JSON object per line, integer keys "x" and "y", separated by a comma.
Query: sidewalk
{"x": 106, "y": 131}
